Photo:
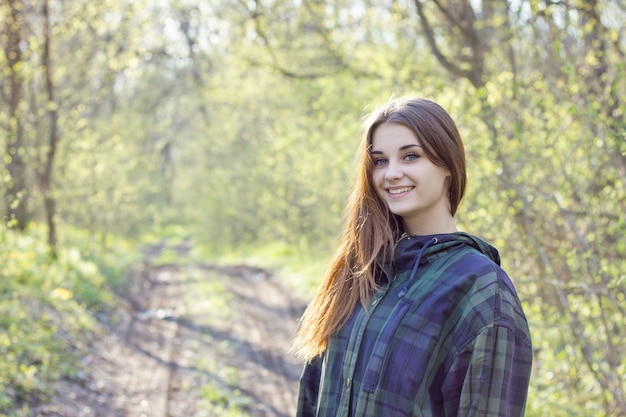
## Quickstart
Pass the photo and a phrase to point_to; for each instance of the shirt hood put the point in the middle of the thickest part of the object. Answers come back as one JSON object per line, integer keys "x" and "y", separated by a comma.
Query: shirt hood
{"x": 412, "y": 251}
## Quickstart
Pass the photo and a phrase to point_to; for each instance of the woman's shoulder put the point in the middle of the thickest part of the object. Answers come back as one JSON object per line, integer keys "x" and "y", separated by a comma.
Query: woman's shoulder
{"x": 491, "y": 298}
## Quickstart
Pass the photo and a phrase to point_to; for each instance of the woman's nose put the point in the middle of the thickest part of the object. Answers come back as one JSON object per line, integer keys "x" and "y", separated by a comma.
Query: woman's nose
{"x": 393, "y": 172}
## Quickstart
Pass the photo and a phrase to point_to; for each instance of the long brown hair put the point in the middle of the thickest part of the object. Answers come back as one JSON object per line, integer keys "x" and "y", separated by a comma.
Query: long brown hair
{"x": 370, "y": 228}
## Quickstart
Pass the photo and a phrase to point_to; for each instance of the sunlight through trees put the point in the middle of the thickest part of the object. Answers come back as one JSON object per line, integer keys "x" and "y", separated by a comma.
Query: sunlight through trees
{"x": 238, "y": 120}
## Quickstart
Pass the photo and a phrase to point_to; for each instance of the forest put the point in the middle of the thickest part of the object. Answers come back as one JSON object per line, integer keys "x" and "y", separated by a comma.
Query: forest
{"x": 234, "y": 124}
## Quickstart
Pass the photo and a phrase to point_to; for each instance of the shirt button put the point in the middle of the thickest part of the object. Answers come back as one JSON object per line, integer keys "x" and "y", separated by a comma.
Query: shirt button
{"x": 348, "y": 381}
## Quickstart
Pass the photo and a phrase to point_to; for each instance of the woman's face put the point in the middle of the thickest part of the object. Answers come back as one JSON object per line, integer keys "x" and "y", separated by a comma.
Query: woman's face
{"x": 409, "y": 183}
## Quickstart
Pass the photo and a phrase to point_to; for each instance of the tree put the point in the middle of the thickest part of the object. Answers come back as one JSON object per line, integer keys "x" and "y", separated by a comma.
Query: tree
{"x": 44, "y": 169}
{"x": 13, "y": 97}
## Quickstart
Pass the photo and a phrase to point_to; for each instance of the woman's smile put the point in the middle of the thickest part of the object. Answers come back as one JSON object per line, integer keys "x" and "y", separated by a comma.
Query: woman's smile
{"x": 399, "y": 191}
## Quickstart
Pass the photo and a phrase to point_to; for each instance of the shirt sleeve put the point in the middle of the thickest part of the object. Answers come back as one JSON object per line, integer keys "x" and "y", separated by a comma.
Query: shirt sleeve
{"x": 490, "y": 376}
{"x": 309, "y": 388}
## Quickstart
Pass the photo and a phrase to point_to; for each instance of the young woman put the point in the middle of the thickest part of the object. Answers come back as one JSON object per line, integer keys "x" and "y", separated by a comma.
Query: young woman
{"x": 413, "y": 318}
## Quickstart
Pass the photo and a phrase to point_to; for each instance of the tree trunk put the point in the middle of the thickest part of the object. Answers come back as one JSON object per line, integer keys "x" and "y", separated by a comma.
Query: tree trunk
{"x": 45, "y": 174}
{"x": 16, "y": 213}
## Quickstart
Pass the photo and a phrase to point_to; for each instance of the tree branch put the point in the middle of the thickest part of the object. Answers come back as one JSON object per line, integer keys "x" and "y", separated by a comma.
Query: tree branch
{"x": 475, "y": 77}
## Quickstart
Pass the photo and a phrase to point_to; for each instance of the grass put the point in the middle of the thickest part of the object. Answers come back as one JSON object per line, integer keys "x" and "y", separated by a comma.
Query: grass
{"x": 300, "y": 267}
{"x": 208, "y": 300}
{"x": 47, "y": 307}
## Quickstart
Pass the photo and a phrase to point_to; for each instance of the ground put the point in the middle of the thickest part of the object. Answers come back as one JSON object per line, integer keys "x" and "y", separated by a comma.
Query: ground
{"x": 190, "y": 340}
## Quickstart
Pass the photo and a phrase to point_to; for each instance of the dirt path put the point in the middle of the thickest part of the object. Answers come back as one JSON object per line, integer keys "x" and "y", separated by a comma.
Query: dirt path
{"x": 195, "y": 340}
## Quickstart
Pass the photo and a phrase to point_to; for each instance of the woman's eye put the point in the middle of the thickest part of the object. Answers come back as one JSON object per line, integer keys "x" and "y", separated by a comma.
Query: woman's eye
{"x": 380, "y": 161}
{"x": 411, "y": 157}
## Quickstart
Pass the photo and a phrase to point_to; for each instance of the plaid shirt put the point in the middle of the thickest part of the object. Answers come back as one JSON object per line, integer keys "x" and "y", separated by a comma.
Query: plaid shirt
{"x": 444, "y": 336}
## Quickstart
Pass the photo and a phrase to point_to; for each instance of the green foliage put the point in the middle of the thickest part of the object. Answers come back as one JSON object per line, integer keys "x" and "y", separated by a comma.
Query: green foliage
{"x": 235, "y": 124}
{"x": 46, "y": 311}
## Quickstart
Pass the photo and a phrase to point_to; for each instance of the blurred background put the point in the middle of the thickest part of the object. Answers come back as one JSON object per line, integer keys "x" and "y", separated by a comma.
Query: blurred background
{"x": 233, "y": 125}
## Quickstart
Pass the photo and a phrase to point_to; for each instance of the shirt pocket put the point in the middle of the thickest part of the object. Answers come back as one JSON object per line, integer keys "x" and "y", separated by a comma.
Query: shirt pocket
{"x": 378, "y": 357}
